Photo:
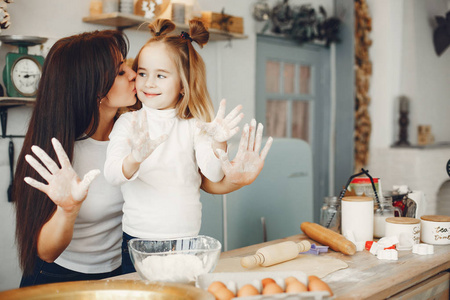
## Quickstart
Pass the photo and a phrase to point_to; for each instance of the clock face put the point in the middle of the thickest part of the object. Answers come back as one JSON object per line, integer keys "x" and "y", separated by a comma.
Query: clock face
{"x": 25, "y": 75}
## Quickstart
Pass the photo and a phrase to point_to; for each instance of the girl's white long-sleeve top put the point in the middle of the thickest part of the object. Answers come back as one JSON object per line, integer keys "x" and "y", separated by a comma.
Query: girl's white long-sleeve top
{"x": 162, "y": 199}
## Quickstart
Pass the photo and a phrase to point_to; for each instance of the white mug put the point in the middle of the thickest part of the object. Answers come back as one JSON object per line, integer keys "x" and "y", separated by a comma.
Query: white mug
{"x": 357, "y": 218}
{"x": 407, "y": 231}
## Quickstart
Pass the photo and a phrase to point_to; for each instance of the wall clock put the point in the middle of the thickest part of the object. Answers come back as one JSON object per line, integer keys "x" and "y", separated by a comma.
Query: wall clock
{"x": 22, "y": 71}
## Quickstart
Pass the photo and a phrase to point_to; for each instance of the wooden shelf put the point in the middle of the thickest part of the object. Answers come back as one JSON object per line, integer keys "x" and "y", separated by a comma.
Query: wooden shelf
{"x": 16, "y": 101}
{"x": 123, "y": 21}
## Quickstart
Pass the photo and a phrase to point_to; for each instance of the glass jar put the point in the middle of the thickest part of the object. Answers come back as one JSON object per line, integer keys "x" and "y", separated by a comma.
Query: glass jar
{"x": 126, "y": 6}
{"x": 381, "y": 212}
{"x": 330, "y": 213}
{"x": 110, "y": 6}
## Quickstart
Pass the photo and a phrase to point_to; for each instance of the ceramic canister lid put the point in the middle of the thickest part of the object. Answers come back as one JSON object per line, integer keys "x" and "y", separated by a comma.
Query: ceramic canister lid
{"x": 357, "y": 199}
{"x": 436, "y": 218}
{"x": 402, "y": 220}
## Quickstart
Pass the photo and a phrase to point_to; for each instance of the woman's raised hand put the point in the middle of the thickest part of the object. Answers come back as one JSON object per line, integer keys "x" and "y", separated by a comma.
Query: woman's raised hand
{"x": 222, "y": 128}
{"x": 140, "y": 142}
{"x": 63, "y": 187}
{"x": 247, "y": 164}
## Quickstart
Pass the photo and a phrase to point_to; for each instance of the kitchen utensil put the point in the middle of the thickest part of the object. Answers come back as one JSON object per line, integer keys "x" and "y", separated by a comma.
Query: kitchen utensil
{"x": 420, "y": 200}
{"x": 344, "y": 190}
{"x": 11, "y": 169}
{"x": 275, "y": 254}
{"x": 357, "y": 218}
{"x": 179, "y": 260}
{"x": 108, "y": 289}
{"x": 381, "y": 213}
{"x": 331, "y": 211}
{"x": 328, "y": 237}
{"x": 407, "y": 230}
{"x": 435, "y": 229}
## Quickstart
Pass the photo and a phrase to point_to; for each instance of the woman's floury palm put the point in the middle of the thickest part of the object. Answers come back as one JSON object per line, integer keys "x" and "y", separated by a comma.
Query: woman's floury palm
{"x": 63, "y": 187}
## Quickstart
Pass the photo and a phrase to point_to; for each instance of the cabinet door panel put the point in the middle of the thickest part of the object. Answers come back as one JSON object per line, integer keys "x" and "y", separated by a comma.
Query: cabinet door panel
{"x": 212, "y": 216}
{"x": 282, "y": 194}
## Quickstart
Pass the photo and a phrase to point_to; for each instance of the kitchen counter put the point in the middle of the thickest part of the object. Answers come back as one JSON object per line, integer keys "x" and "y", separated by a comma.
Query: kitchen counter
{"x": 370, "y": 278}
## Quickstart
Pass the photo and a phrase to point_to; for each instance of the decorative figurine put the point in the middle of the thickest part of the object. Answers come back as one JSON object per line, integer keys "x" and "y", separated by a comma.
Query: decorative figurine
{"x": 403, "y": 122}
{"x": 424, "y": 135}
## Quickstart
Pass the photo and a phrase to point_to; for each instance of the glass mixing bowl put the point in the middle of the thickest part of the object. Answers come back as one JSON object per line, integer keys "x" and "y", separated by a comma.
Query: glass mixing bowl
{"x": 179, "y": 260}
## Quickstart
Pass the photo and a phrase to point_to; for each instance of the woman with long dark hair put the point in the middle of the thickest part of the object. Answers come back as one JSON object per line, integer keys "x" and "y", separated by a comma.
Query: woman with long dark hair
{"x": 60, "y": 238}
{"x": 69, "y": 228}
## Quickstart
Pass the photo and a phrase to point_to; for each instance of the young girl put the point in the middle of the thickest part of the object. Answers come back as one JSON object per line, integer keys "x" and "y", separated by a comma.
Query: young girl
{"x": 156, "y": 153}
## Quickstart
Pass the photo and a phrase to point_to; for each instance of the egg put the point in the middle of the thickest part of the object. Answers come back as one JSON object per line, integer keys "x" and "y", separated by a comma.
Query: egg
{"x": 215, "y": 286}
{"x": 290, "y": 279}
{"x": 271, "y": 289}
{"x": 247, "y": 290}
{"x": 316, "y": 284}
{"x": 296, "y": 287}
{"x": 266, "y": 281}
{"x": 223, "y": 294}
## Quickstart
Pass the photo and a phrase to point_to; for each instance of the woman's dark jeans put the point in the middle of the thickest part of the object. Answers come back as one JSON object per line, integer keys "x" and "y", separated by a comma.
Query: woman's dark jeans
{"x": 50, "y": 273}
{"x": 127, "y": 264}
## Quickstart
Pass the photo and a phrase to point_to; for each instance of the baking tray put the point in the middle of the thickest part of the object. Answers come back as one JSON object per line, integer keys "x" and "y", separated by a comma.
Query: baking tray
{"x": 108, "y": 289}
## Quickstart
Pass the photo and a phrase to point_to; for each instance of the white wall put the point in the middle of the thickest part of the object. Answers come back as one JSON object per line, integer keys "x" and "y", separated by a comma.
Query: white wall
{"x": 230, "y": 71}
{"x": 404, "y": 63}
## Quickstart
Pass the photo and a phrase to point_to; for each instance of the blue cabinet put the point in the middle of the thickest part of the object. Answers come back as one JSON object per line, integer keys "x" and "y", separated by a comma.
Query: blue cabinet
{"x": 212, "y": 216}
{"x": 282, "y": 195}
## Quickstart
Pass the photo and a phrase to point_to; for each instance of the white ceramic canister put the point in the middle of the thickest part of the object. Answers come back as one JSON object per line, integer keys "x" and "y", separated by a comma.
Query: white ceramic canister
{"x": 357, "y": 218}
{"x": 407, "y": 230}
{"x": 435, "y": 229}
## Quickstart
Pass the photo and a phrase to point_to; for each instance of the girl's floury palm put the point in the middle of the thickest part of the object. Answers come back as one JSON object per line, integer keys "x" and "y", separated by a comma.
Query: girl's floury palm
{"x": 141, "y": 143}
{"x": 63, "y": 187}
{"x": 222, "y": 128}
{"x": 248, "y": 162}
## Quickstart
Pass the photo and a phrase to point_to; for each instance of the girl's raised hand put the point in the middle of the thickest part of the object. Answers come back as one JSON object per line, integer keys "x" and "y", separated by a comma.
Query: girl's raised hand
{"x": 63, "y": 187}
{"x": 140, "y": 142}
{"x": 222, "y": 128}
{"x": 247, "y": 164}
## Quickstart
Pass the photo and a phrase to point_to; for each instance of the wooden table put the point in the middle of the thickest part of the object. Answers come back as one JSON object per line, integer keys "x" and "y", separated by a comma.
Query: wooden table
{"x": 370, "y": 278}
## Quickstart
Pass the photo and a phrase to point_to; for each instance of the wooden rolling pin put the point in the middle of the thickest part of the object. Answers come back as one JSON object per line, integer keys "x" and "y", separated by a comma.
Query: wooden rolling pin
{"x": 328, "y": 237}
{"x": 275, "y": 254}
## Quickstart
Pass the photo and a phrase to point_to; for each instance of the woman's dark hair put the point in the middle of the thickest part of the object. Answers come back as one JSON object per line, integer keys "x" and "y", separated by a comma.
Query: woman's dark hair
{"x": 78, "y": 72}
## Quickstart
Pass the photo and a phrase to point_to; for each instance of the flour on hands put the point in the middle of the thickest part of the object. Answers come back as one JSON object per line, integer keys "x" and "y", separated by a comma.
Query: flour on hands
{"x": 63, "y": 187}
{"x": 222, "y": 128}
{"x": 245, "y": 167}
{"x": 140, "y": 142}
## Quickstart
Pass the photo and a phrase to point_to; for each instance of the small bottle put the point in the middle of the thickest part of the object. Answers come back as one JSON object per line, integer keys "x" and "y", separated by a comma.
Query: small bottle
{"x": 381, "y": 212}
{"x": 275, "y": 254}
{"x": 330, "y": 214}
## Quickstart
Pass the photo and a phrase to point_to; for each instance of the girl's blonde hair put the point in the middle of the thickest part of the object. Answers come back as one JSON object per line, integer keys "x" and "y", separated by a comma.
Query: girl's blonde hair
{"x": 195, "y": 102}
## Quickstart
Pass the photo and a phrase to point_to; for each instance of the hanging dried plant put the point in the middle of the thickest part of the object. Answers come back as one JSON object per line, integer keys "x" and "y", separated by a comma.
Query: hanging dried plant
{"x": 300, "y": 23}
